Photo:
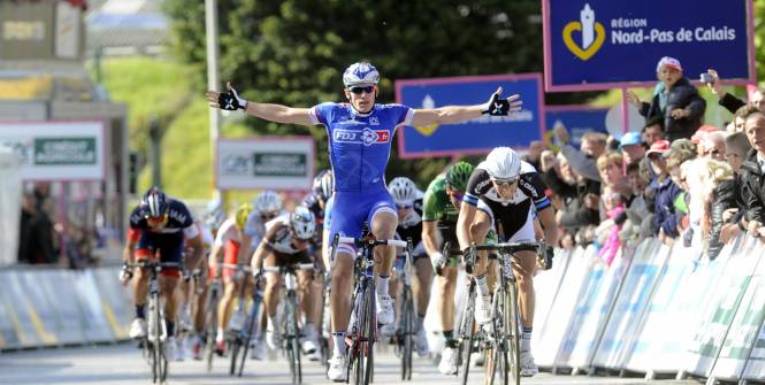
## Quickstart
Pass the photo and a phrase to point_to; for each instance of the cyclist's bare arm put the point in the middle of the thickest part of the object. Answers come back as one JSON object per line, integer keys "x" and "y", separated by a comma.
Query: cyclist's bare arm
{"x": 268, "y": 111}
{"x": 446, "y": 115}
{"x": 464, "y": 221}
{"x": 457, "y": 114}
{"x": 130, "y": 242}
{"x": 196, "y": 245}
{"x": 216, "y": 255}
{"x": 430, "y": 237}
{"x": 263, "y": 249}
{"x": 547, "y": 219}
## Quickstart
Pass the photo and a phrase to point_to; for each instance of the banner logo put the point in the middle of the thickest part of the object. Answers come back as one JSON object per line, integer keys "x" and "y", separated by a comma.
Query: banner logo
{"x": 593, "y": 34}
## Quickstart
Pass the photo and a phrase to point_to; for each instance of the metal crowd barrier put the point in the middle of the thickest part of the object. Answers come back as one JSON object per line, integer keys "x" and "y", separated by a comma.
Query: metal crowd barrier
{"x": 51, "y": 307}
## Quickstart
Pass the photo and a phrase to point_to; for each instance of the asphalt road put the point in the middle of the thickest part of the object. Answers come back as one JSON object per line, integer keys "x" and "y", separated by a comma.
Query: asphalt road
{"x": 123, "y": 364}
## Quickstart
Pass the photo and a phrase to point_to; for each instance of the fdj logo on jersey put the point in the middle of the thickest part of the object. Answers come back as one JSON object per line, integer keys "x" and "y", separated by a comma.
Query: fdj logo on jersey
{"x": 366, "y": 137}
{"x": 593, "y": 34}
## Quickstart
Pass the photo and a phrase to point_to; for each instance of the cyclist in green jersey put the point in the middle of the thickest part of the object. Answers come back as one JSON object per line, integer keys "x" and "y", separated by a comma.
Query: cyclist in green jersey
{"x": 439, "y": 223}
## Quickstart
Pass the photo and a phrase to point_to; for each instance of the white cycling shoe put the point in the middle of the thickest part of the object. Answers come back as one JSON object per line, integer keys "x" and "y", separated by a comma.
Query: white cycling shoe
{"x": 528, "y": 367}
{"x": 385, "y": 314}
{"x": 137, "y": 328}
{"x": 448, "y": 364}
{"x": 337, "y": 368}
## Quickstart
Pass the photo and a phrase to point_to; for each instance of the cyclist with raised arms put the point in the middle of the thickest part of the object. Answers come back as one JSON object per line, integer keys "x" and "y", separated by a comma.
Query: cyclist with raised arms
{"x": 360, "y": 135}
{"x": 226, "y": 249}
{"x": 159, "y": 225}
{"x": 286, "y": 242}
{"x": 408, "y": 199}
{"x": 514, "y": 192}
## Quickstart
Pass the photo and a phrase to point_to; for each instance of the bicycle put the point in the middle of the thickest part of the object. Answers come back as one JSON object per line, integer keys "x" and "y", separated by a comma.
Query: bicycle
{"x": 363, "y": 316}
{"x": 211, "y": 316}
{"x": 289, "y": 321}
{"x": 405, "y": 333}
{"x": 156, "y": 336}
{"x": 245, "y": 335}
{"x": 239, "y": 336}
{"x": 503, "y": 338}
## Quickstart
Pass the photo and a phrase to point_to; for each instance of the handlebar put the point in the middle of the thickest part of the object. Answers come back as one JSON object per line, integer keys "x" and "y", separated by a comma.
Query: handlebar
{"x": 373, "y": 242}
{"x": 293, "y": 267}
{"x": 508, "y": 247}
{"x": 144, "y": 264}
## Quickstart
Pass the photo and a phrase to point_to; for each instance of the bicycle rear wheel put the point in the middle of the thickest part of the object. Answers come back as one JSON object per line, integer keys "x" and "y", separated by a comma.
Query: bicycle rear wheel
{"x": 406, "y": 331}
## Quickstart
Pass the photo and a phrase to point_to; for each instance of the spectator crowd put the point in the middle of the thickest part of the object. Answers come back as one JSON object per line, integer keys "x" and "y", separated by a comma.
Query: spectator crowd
{"x": 678, "y": 179}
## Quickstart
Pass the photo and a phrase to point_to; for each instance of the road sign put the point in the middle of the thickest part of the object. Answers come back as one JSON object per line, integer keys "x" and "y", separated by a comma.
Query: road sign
{"x": 286, "y": 163}
{"x": 476, "y": 136}
{"x": 603, "y": 44}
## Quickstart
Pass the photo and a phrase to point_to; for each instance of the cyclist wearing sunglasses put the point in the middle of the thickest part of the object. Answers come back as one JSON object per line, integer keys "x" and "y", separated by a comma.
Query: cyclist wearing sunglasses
{"x": 408, "y": 199}
{"x": 514, "y": 192}
{"x": 158, "y": 226}
{"x": 360, "y": 134}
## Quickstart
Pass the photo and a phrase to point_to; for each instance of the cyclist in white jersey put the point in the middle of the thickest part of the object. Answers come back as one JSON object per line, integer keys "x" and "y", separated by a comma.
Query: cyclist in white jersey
{"x": 360, "y": 134}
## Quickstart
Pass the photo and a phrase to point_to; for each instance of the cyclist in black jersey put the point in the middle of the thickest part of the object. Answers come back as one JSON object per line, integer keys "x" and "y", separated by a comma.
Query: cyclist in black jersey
{"x": 158, "y": 227}
{"x": 515, "y": 193}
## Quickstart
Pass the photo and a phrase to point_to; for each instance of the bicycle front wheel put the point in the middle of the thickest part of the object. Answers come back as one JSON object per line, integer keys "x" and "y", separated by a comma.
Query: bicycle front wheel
{"x": 211, "y": 320}
{"x": 511, "y": 320}
{"x": 406, "y": 331}
{"x": 498, "y": 357}
{"x": 467, "y": 335}
{"x": 293, "y": 340}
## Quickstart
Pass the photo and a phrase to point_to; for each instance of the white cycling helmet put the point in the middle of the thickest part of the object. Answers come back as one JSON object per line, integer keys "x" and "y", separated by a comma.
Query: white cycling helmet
{"x": 403, "y": 190}
{"x": 502, "y": 163}
{"x": 267, "y": 202}
{"x": 361, "y": 73}
{"x": 303, "y": 223}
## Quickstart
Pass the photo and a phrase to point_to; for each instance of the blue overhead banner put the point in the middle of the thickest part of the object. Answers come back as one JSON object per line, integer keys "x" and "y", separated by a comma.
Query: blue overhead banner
{"x": 577, "y": 120}
{"x": 478, "y": 135}
{"x": 602, "y": 44}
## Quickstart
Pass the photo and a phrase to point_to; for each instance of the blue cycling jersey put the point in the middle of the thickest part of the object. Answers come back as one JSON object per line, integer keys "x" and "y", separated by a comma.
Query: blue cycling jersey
{"x": 359, "y": 144}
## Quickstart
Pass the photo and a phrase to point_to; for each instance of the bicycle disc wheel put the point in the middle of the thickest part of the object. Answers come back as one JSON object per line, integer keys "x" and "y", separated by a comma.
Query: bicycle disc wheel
{"x": 511, "y": 320}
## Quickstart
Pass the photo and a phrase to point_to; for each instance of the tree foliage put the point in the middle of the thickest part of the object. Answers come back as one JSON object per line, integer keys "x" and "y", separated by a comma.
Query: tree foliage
{"x": 294, "y": 52}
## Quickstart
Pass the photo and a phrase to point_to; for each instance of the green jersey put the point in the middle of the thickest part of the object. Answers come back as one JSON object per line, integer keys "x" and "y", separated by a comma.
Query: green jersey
{"x": 438, "y": 207}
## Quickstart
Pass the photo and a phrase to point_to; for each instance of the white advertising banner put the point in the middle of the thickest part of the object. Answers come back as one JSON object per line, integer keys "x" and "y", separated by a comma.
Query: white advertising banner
{"x": 284, "y": 163}
{"x": 62, "y": 151}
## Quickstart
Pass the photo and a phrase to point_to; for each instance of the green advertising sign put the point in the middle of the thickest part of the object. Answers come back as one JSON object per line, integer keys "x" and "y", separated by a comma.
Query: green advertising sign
{"x": 280, "y": 164}
{"x": 65, "y": 151}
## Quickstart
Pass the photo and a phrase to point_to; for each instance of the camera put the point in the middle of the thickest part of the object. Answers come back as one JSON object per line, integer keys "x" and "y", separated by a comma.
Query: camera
{"x": 706, "y": 78}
